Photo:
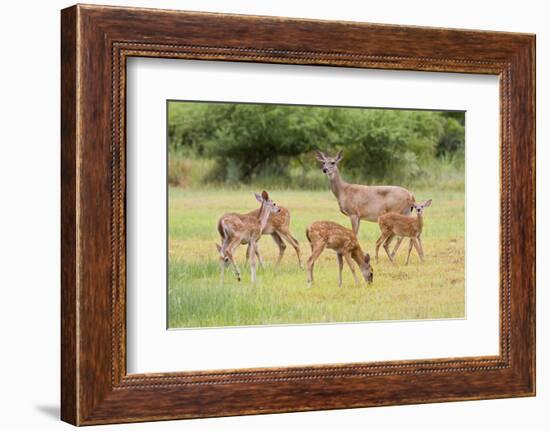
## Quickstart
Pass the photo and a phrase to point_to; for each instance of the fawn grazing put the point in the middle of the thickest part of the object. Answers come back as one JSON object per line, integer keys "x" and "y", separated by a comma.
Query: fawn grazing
{"x": 344, "y": 242}
{"x": 361, "y": 202}
{"x": 392, "y": 224}
{"x": 236, "y": 229}
{"x": 278, "y": 226}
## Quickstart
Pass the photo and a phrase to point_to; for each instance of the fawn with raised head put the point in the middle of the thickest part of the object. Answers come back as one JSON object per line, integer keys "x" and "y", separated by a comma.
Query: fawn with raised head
{"x": 392, "y": 224}
{"x": 360, "y": 202}
{"x": 236, "y": 229}
{"x": 327, "y": 234}
{"x": 278, "y": 226}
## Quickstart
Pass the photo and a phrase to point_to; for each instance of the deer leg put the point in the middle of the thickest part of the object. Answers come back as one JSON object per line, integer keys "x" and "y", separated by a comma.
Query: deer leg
{"x": 340, "y": 267}
{"x": 229, "y": 259}
{"x": 224, "y": 259}
{"x": 387, "y": 247}
{"x": 350, "y": 264}
{"x": 253, "y": 261}
{"x": 228, "y": 255}
{"x": 257, "y": 250}
{"x": 418, "y": 246}
{"x": 287, "y": 236}
{"x": 421, "y": 246}
{"x": 355, "y": 221}
{"x": 397, "y": 245}
{"x": 222, "y": 267}
{"x": 247, "y": 253}
{"x": 316, "y": 252}
{"x": 409, "y": 253}
{"x": 379, "y": 242}
{"x": 257, "y": 255}
{"x": 282, "y": 246}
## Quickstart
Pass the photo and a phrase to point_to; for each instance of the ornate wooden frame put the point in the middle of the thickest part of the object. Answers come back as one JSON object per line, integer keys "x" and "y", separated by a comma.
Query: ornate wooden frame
{"x": 95, "y": 43}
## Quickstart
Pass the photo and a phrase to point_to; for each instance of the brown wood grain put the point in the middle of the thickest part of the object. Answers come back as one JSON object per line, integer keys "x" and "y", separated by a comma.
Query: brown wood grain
{"x": 68, "y": 218}
{"x": 96, "y": 41}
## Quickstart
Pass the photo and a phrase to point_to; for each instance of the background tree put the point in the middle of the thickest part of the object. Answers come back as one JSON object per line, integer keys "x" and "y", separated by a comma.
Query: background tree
{"x": 248, "y": 141}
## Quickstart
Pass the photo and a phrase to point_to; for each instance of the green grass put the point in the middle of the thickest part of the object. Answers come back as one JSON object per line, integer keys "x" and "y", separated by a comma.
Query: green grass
{"x": 430, "y": 290}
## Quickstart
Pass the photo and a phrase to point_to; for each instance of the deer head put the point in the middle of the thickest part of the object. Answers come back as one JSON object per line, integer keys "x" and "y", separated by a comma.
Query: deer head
{"x": 267, "y": 204}
{"x": 222, "y": 255}
{"x": 366, "y": 269}
{"x": 329, "y": 164}
{"x": 224, "y": 261}
{"x": 420, "y": 207}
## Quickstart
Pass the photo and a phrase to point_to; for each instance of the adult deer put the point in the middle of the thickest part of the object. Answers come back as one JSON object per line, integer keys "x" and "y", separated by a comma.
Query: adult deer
{"x": 236, "y": 229}
{"x": 278, "y": 226}
{"x": 327, "y": 234}
{"x": 361, "y": 202}
{"x": 392, "y": 224}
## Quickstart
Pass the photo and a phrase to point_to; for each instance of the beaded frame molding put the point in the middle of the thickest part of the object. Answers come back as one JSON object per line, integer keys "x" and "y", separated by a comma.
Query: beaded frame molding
{"x": 95, "y": 43}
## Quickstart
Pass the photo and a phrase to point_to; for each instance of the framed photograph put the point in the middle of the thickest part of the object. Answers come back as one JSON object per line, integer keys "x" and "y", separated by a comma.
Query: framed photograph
{"x": 264, "y": 214}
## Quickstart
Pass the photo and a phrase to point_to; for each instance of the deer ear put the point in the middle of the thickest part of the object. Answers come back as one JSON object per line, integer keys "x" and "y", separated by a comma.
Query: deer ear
{"x": 339, "y": 156}
{"x": 320, "y": 156}
{"x": 427, "y": 203}
{"x": 258, "y": 197}
{"x": 367, "y": 258}
{"x": 265, "y": 196}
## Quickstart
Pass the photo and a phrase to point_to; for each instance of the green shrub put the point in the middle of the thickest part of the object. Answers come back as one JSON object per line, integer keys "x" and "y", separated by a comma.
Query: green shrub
{"x": 275, "y": 143}
{"x": 452, "y": 138}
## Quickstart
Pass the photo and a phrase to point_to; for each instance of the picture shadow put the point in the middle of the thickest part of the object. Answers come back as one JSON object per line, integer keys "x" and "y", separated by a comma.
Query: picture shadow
{"x": 52, "y": 411}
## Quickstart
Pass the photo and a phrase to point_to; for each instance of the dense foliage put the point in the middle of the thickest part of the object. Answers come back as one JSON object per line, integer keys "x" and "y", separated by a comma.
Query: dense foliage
{"x": 246, "y": 141}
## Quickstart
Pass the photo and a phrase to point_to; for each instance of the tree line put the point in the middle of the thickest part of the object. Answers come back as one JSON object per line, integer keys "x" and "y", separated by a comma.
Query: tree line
{"x": 248, "y": 140}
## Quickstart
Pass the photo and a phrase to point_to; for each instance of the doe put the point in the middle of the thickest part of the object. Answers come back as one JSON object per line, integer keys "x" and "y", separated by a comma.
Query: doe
{"x": 344, "y": 242}
{"x": 362, "y": 202}
{"x": 236, "y": 229}
{"x": 392, "y": 224}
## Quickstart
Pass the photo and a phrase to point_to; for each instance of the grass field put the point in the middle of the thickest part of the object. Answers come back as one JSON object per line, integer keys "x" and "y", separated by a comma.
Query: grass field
{"x": 431, "y": 290}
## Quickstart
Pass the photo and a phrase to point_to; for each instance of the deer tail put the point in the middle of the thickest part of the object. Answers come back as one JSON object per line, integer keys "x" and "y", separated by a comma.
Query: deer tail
{"x": 220, "y": 228}
{"x": 307, "y": 234}
{"x": 224, "y": 230}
